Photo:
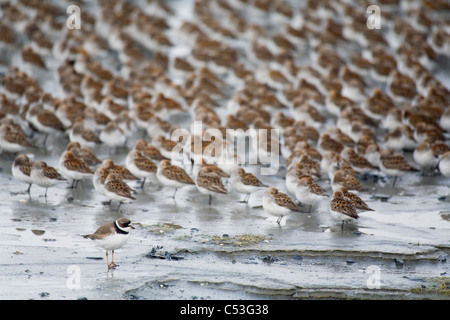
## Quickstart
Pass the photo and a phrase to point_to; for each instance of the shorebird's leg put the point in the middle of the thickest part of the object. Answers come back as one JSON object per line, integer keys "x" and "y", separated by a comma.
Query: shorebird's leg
{"x": 247, "y": 196}
{"x": 113, "y": 265}
{"x": 395, "y": 180}
{"x": 45, "y": 139}
{"x": 210, "y": 200}
{"x": 142, "y": 184}
{"x": 29, "y": 188}
{"x": 173, "y": 197}
{"x": 120, "y": 203}
{"x": 107, "y": 261}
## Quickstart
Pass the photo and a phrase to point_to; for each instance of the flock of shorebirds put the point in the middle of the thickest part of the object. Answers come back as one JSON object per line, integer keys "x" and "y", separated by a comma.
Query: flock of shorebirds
{"x": 347, "y": 100}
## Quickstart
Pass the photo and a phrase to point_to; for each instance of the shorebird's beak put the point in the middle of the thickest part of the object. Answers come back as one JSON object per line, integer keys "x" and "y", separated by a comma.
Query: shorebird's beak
{"x": 131, "y": 227}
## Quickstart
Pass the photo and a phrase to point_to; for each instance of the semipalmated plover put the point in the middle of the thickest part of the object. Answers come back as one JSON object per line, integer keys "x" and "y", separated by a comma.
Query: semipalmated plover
{"x": 112, "y": 236}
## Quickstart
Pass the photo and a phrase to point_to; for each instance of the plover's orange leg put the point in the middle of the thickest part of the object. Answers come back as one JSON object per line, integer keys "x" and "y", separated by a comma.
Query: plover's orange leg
{"x": 110, "y": 265}
{"x": 113, "y": 265}
{"x": 107, "y": 261}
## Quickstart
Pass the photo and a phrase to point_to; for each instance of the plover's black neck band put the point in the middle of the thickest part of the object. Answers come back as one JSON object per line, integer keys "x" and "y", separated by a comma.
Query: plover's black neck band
{"x": 119, "y": 229}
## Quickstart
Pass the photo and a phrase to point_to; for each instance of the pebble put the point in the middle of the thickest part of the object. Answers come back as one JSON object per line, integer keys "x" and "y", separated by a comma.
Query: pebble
{"x": 399, "y": 263}
{"x": 268, "y": 259}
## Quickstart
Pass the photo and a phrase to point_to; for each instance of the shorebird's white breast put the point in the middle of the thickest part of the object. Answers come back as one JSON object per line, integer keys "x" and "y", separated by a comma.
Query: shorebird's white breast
{"x": 10, "y": 146}
{"x": 113, "y": 242}
{"x": 98, "y": 185}
{"x": 291, "y": 182}
{"x": 444, "y": 166}
{"x": 20, "y": 175}
{"x": 340, "y": 216}
{"x": 168, "y": 182}
{"x": 425, "y": 158}
{"x": 240, "y": 187}
{"x": 271, "y": 207}
{"x": 37, "y": 176}
{"x": 116, "y": 197}
{"x": 304, "y": 195}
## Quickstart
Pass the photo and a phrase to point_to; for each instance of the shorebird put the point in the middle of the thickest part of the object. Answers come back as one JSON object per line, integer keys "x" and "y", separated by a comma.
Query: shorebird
{"x": 119, "y": 169}
{"x": 349, "y": 181}
{"x": 358, "y": 203}
{"x": 118, "y": 190}
{"x": 358, "y": 162}
{"x": 45, "y": 176}
{"x": 84, "y": 136}
{"x": 112, "y": 236}
{"x": 44, "y": 120}
{"x": 394, "y": 164}
{"x": 309, "y": 192}
{"x": 342, "y": 208}
{"x": 278, "y": 204}
{"x": 149, "y": 150}
{"x": 140, "y": 166}
{"x": 424, "y": 156}
{"x": 12, "y": 138}
{"x": 245, "y": 182}
{"x": 98, "y": 180}
{"x": 209, "y": 182}
{"x": 173, "y": 176}
{"x": 444, "y": 164}
{"x": 73, "y": 168}
{"x": 85, "y": 154}
{"x": 21, "y": 169}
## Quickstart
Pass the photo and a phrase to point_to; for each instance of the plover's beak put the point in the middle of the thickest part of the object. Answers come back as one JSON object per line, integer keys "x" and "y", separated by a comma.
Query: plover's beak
{"x": 132, "y": 227}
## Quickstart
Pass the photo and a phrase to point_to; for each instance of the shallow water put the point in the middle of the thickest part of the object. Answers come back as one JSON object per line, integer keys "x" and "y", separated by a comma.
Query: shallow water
{"x": 185, "y": 249}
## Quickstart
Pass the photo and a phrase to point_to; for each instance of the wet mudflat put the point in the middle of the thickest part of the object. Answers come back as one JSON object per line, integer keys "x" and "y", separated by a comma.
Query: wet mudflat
{"x": 185, "y": 249}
